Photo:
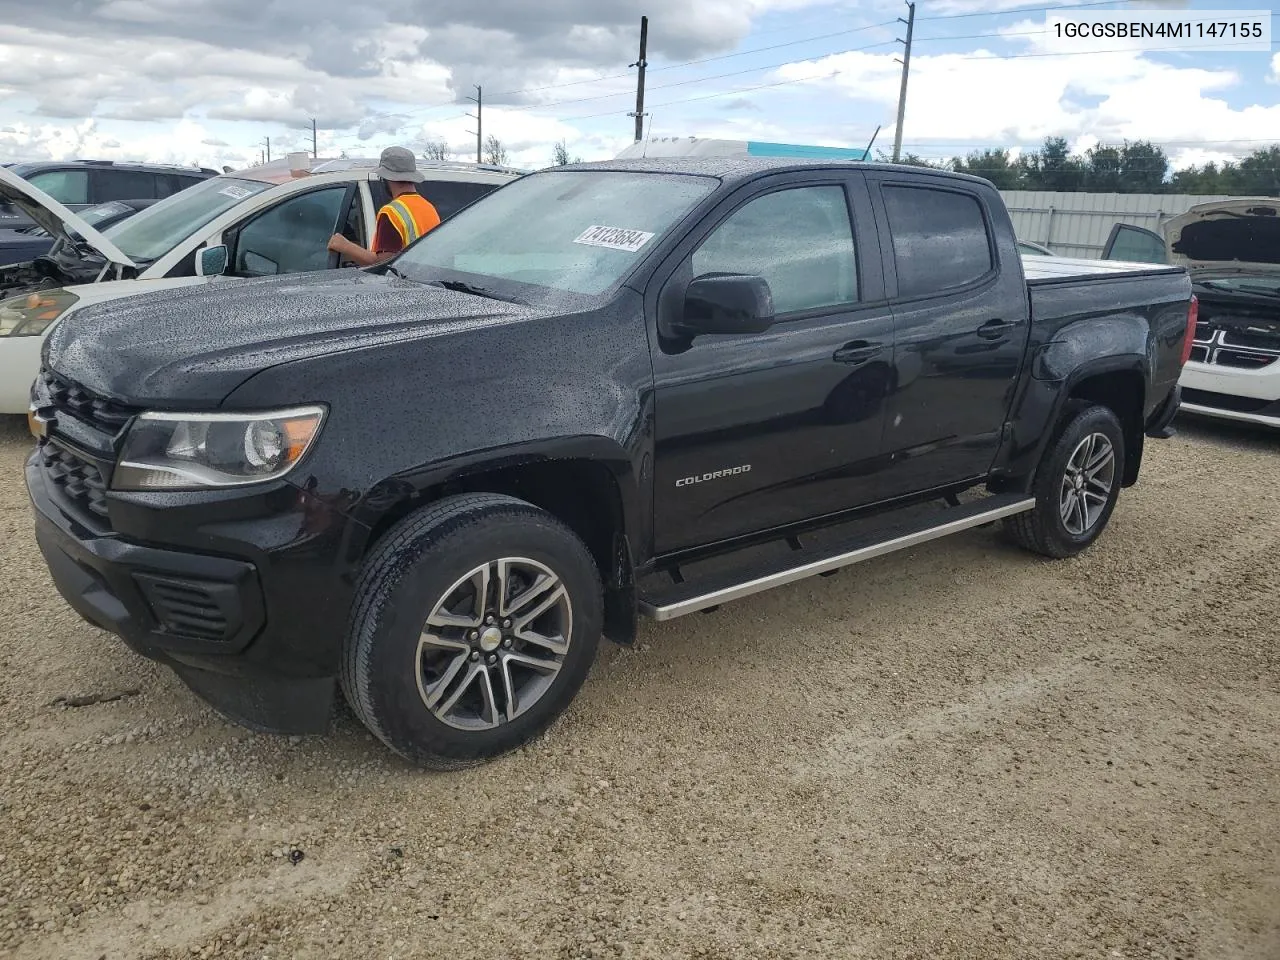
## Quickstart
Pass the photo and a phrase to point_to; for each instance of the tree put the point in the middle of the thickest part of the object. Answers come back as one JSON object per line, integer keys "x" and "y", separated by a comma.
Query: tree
{"x": 1053, "y": 167}
{"x": 1104, "y": 170}
{"x": 1143, "y": 167}
{"x": 437, "y": 150}
{"x": 993, "y": 165}
{"x": 910, "y": 160}
{"x": 494, "y": 152}
{"x": 561, "y": 155}
{"x": 1258, "y": 174}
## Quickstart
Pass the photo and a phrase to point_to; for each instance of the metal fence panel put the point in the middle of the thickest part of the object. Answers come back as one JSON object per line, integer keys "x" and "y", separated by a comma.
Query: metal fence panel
{"x": 1078, "y": 224}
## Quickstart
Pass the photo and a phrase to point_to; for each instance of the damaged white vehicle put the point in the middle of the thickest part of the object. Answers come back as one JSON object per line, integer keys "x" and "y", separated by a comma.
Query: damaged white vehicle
{"x": 263, "y": 221}
{"x": 1231, "y": 248}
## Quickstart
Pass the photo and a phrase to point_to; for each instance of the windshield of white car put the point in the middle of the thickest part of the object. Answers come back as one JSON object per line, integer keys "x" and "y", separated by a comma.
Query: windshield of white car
{"x": 153, "y": 232}
{"x": 92, "y": 216}
{"x": 1268, "y": 288}
{"x": 569, "y": 231}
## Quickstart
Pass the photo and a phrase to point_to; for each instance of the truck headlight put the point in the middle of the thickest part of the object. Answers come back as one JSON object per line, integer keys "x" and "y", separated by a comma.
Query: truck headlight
{"x": 193, "y": 451}
{"x": 31, "y": 314}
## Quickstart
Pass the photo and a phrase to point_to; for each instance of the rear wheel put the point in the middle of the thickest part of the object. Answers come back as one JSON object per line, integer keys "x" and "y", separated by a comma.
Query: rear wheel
{"x": 1076, "y": 485}
{"x": 474, "y": 626}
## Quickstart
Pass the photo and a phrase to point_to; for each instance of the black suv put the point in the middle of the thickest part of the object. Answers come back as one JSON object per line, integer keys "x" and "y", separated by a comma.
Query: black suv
{"x": 81, "y": 183}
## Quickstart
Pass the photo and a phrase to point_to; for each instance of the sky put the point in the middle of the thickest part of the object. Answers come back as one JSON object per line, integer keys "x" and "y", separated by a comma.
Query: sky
{"x": 194, "y": 81}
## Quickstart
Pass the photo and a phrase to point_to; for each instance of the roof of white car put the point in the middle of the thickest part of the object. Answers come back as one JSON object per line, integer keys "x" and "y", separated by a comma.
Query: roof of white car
{"x": 361, "y": 168}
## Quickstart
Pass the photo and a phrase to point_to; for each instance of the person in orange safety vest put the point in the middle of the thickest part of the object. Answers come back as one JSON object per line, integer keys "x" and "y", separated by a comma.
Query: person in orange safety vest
{"x": 401, "y": 221}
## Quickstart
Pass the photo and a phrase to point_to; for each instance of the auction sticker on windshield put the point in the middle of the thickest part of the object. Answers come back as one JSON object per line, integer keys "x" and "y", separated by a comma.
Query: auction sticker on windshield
{"x": 615, "y": 238}
{"x": 234, "y": 192}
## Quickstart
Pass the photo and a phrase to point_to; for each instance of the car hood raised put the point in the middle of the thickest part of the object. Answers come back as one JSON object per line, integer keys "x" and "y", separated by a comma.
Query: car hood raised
{"x": 190, "y": 347}
{"x": 56, "y": 219}
{"x": 1223, "y": 237}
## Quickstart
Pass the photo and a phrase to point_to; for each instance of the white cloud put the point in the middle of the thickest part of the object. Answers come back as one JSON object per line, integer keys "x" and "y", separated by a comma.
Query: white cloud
{"x": 185, "y": 142}
{"x": 1109, "y": 96}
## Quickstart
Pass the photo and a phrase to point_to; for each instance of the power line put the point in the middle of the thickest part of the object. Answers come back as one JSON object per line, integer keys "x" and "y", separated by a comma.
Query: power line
{"x": 836, "y": 73}
{"x": 1002, "y": 13}
{"x": 624, "y": 76}
{"x": 983, "y": 145}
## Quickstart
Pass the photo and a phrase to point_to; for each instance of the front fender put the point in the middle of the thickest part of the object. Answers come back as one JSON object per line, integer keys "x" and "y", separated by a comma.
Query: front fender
{"x": 384, "y": 496}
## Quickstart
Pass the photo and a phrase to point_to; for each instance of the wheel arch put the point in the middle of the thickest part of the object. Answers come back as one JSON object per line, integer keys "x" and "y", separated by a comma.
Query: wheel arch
{"x": 1122, "y": 389}
{"x": 588, "y": 483}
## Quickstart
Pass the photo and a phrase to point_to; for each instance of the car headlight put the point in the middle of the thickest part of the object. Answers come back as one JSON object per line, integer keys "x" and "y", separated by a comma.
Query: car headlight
{"x": 193, "y": 451}
{"x": 31, "y": 314}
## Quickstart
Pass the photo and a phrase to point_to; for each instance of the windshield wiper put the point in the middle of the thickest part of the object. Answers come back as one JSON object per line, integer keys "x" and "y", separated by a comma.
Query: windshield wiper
{"x": 1237, "y": 285}
{"x": 463, "y": 287}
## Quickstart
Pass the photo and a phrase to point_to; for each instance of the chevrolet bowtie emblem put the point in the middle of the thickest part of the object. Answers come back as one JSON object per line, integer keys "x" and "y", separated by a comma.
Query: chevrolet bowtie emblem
{"x": 38, "y": 423}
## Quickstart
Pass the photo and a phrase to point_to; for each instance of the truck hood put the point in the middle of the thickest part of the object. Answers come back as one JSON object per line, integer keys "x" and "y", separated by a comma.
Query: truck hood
{"x": 189, "y": 348}
{"x": 1224, "y": 237}
{"x": 56, "y": 219}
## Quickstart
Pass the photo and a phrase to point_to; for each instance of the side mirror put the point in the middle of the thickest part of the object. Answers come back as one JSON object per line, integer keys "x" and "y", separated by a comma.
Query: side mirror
{"x": 726, "y": 303}
{"x": 212, "y": 261}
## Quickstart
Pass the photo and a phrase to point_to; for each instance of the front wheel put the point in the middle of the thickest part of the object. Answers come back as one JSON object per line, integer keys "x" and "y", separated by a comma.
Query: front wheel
{"x": 1076, "y": 486}
{"x": 475, "y": 623}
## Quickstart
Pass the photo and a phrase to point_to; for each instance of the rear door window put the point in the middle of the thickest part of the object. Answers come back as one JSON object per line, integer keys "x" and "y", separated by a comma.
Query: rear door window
{"x": 450, "y": 196}
{"x": 123, "y": 185}
{"x": 940, "y": 239}
{"x": 170, "y": 183}
{"x": 65, "y": 186}
{"x": 1134, "y": 244}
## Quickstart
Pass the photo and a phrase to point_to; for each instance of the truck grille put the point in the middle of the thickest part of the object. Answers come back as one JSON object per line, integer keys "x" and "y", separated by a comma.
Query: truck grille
{"x": 1236, "y": 342}
{"x": 78, "y": 480}
{"x": 104, "y": 415}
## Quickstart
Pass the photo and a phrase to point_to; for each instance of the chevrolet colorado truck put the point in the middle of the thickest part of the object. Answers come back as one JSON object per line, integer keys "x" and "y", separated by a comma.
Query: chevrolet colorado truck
{"x": 601, "y": 392}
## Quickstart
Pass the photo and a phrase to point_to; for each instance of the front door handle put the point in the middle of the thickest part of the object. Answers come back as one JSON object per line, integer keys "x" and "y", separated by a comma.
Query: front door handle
{"x": 995, "y": 329}
{"x": 858, "y": 351}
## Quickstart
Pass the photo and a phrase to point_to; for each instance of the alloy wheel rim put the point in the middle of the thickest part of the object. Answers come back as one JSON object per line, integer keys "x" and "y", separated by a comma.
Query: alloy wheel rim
{"x": 1087, "y": 483}
{"x": 493, "y": 644}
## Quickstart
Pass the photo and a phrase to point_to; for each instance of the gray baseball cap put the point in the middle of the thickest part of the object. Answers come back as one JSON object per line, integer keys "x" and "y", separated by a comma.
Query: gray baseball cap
{"x": 398, "y": 164}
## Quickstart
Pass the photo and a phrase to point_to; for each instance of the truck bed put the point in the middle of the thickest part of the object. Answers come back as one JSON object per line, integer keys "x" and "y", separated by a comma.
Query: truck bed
{"x": 1045, "y": 270}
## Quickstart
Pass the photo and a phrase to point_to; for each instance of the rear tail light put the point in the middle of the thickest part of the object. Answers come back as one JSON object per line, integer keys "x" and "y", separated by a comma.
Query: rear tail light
{"x": 1193, "y": 314}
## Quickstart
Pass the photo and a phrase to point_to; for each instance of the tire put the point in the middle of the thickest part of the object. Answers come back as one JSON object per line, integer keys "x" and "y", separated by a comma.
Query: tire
{"x": 1059, "y": 526}
{"x": 423, "y": 692}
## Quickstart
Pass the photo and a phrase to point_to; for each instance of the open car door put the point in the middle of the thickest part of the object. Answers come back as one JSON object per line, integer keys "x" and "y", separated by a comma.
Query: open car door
{"x": 1135, "y": 245}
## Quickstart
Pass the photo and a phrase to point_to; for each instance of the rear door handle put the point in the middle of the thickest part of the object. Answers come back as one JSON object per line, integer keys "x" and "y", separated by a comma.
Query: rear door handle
{"x": 995, "y": 329}
{"x": 858, "y": 351}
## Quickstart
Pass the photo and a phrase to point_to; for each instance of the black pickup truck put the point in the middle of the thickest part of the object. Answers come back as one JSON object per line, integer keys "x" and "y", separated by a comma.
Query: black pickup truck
{"x": 604, "y": 390}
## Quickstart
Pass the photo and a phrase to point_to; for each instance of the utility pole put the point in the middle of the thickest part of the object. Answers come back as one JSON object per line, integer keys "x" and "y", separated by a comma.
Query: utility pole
{"x": 641, "y": 63}
{"x": 314, "y": 149}
{"x": 478, "y": 100}
{"x": 268, "y": 151}
{"x": 906, "y": 66}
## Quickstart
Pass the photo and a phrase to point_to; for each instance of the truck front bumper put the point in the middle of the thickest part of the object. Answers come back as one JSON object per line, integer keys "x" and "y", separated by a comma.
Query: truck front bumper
{"x": 257, "y": 636}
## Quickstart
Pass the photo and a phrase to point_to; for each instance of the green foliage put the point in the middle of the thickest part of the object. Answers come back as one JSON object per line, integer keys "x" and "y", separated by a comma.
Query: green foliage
{"x": 1134, "y": 167}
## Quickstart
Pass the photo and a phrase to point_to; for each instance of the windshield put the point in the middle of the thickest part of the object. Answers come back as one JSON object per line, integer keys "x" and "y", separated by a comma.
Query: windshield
{"x": 572, "y": 231}
{"x": 92, "y": 216}
{"x": 155, "y": 231}
{"x": 1268, "y": 286}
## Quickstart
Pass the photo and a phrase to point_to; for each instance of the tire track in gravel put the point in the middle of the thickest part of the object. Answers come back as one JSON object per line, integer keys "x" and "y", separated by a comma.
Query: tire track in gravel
{"x": 1242, "y": 561}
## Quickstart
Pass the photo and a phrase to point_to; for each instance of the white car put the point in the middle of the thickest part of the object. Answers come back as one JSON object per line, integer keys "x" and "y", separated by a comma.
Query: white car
{"x": 1231, "y": 248}
{"x": 256, "y": 222}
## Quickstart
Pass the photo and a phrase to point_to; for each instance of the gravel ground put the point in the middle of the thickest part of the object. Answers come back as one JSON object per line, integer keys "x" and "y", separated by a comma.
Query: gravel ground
{"x": 961, "y": 751}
